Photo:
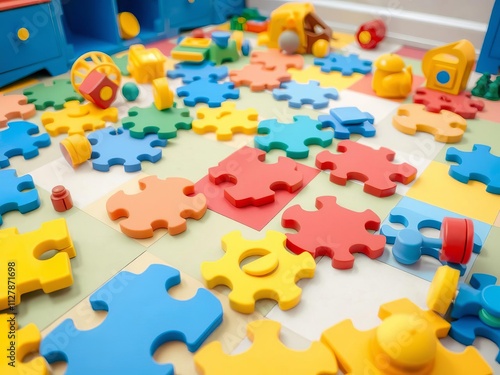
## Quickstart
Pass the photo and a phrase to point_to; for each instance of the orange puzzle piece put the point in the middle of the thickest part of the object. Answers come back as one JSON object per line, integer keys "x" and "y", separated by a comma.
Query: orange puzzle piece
{"x": 259, "y": 78}
{"x": 15, "y": 106}
{"x": 446, "y": 126}
{"x": 160, "y": 204}
{"x": 273, "y": 58}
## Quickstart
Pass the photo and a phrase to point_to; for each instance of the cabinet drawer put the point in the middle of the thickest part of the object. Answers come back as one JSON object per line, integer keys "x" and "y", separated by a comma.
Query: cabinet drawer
{"x": 28, "y": 35}
{"x": 187, "y": 14}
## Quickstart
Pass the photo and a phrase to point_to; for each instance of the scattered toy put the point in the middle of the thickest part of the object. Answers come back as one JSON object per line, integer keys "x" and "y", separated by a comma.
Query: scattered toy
{"x": 392, "y": 79}
{"x": 61, "y": 199}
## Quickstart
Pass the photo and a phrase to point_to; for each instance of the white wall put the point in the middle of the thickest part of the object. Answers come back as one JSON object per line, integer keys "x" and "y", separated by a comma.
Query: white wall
{"x": 421, "y": 23}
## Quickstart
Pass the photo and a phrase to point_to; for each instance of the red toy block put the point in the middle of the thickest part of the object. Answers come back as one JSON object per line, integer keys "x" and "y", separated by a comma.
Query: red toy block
{"x": 274, "y": 58}
{"x": 461, "y": 104}
{"x": 99, "y": 89}
{"x": 259, "y": 78}
{"x": 255, "y": 181}
{"x": 363, "y": 163}
{"x": 61, "y": 199}
{"x": 253, "y": 26}
{"x": 334, "y": 231}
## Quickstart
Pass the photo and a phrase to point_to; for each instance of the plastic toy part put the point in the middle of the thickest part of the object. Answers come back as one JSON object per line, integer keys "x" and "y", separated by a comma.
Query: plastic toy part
{"x": 460, "y": 104}
{"x": 145, "y": 65}
{"x": 363, "y": 163}
{"x": 221, "y": 38}
{"x": 258, "y": 78}
{"x": 61, "y": 199}
{"x": 255, "y": 181}
{"x": 77, "y": 118}
{"x": 163, "y": 96}
{"x": 17, "y": 351}
{"x": 219, "y": 55}
{"x": 55, "y": 95}
{"x": 347, "y": 65}
{"x": 130, "y": 351}
{"x": 446, "y": 126}
{"x": 15, "y": 106}
{"x": 76, "y": 149}
{"x": 293, "y": 138}
{"x": 130, "y": 91}
{"x": 348, "y": 120}
{"x": 267, "y": 356}
{"x": 128, "y": 25}
{"x": 443, "y": 289}
{"x": 289, "y": 42}
{"x": 14, "y": 194}
{"x": 99, "y": 75}
{"x": 334, "y": 231}
{"x": 447, "y": 68}
{"x": 370, "y": 34}
{"x": 273, "y": 275}
{"x": 97, "y": 88}
{"x": 226, "y": 121}
{"x": 486, "y": 88}
{"x": 298, "y": 94}
{"x": 454, "y": 246}
{"x": 160, "y": 204}
{"x": 33, "y": 273}
{"x": 192, "y": 49}
{"x": 479, "y": 165}
{"x": 381, "y": 351}
{"x": 392, "y": 79}
{"x": 20, "y": 139}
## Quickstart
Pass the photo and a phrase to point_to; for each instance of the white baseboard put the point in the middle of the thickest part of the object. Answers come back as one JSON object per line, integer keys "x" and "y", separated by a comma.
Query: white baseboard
{"x": 409, "y": 23}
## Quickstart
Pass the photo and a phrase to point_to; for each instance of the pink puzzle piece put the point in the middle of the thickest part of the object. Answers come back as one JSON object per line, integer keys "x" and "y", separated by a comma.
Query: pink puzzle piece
{"x": 255, "y": 181}
{"x": 461, "y": 104}
{"x": 273, "y": 58}
{"x": 15, "y": 106}
{"x": 363, "y": 163}
{"x": 160, "y": 204}
{"x": 334, "y": 231}
{"x": 259, "y": 78}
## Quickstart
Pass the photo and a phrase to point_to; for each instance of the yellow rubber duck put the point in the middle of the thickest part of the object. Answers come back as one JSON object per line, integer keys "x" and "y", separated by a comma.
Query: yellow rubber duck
{"x": 392, "y": 79}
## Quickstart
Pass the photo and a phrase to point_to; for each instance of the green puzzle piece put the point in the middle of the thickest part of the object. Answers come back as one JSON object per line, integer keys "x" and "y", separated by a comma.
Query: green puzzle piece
{"x": 122, "y": 62}
{"x": 142, "y": 121}
{"x": 55, "y": 95}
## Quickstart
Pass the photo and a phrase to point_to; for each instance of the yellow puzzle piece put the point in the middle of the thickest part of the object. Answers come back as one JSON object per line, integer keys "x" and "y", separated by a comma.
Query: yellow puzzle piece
{"x": 267, "y": 356}
{"x": 273, "y": 275}
{"x": 76, "y": 118}
{"x": 22, "y": 270}
{"x": 406, "y": 342}
{"x": 16, "y": 344}
{"x": 225, "y": 121}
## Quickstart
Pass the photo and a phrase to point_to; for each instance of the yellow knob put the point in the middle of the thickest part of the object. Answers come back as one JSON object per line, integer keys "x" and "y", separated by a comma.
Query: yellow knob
{"x": 23, "y": 34}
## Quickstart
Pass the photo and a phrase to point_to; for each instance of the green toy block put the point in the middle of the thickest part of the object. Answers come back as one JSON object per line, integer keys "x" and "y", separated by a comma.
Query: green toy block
{"x": 237, "y": 23}
{"x": 219, "y": 55}
{"x": 253, "y": 14}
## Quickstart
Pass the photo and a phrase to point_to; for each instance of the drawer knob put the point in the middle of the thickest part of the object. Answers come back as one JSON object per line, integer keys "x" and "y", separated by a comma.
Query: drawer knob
{"x": 23, "y": 34}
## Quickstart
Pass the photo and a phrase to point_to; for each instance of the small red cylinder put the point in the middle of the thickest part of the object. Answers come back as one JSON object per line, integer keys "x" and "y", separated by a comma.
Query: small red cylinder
{"x": 61, "y": 199}
{"x": 371, "y": 33}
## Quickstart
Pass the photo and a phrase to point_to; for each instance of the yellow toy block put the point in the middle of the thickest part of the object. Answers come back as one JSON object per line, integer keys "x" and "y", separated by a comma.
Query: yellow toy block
{"x": 76, "y": 149}
{"x": 273, "y": 275}
{"x": 22, "y": 270}
{"x": 145, "y": 65}
{"x": 225, "y": 121}
{"x": 195, "y": 42}
{"x": 267, "y": 356}
{"x": 163, "y": 96}
{"x": 16, "y": 344}
{"x": 406, "y": 342}
{"x": 447, "y": 68}
{"x": 192, "y": 49}
{"x": 77, "y": 118}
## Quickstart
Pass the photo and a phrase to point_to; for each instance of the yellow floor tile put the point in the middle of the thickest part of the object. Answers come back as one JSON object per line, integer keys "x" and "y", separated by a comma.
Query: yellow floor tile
{"x": 332, "y": 79}
{"x": 341, "y": 40}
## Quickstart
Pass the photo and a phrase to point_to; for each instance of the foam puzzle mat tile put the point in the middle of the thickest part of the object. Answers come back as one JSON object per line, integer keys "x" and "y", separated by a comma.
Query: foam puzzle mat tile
{"x": 490, "y": 253}
{"x": 332, "y": 79}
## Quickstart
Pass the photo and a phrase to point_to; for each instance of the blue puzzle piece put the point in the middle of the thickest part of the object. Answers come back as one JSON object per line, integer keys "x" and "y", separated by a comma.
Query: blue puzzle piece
{"x": 345, "y": 64}
{"x": 348, "y": 120}
{"x": 308, "y": 93}
{"x": 192, "y": 71}
{"x": 416, "y": 221}
{"x": 18, "y": 139}
{"x": 207, "y": 91}
{"x": 112, "y": 146}
{"x": 482, "y": 293}
{"x": 466, "y": 329}
{"x": 479, "y": 165}
{"x": 142, "y": 316}
{"x": 351, "y": 116}
{"x": 13, "y": 194}
{"x": 293, "y": 138}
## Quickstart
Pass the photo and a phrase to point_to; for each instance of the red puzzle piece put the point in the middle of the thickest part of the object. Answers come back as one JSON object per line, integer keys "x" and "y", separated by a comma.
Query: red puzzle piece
{"x": 255, "y": 181}
{"x": 274, "y": 58}
{"x": 363, "y": 163}
{"x": 15, "y": 106}
{"x": 160, "y": 204}
{"x": 461, "y": 104}
{"x": 334, "y": 231}
{"x": 259, "y": 78}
